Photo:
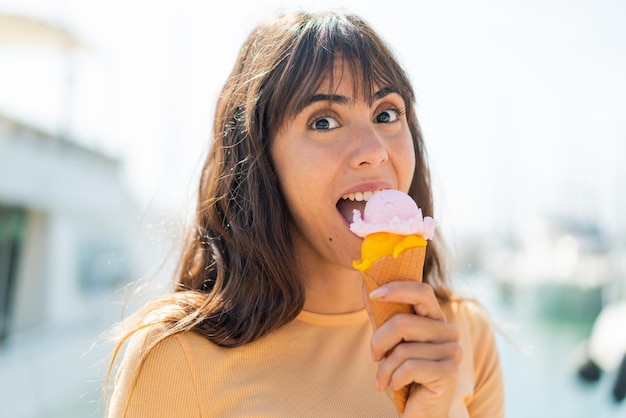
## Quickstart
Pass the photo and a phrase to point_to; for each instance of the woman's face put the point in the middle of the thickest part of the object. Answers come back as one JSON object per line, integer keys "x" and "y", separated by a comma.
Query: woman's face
{"x": 339, "y": 146}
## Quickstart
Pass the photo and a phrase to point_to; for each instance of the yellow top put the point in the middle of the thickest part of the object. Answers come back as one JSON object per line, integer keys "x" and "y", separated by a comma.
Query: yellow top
{"x": 316, "y": 366}
{"x": 381, "y": 244}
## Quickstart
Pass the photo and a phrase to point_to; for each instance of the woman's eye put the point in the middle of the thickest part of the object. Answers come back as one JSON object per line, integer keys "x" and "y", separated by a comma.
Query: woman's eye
{"x": 324, "y": 123}
{"x": 387, "y": 116}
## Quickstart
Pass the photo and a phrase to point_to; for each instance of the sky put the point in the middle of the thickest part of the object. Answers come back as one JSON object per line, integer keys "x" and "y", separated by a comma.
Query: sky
{"x": 522, "y": 103}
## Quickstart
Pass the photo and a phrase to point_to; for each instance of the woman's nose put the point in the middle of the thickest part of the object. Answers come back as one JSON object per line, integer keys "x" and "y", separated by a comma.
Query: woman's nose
{"x": 369, "y": 147}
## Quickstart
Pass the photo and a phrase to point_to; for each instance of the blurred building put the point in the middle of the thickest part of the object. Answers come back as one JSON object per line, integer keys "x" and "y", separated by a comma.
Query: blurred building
{"x": 65, "y": 228}
{"x": 68, "y": 232}
{"x": 65, "y": 215}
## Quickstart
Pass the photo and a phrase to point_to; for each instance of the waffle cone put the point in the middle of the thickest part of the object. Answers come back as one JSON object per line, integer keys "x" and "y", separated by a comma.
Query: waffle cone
{"x": 408, "y": 265}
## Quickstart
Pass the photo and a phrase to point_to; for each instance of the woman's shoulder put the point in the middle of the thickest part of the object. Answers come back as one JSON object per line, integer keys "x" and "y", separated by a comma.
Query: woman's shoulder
{"x": 158, "y": 367}
{"x": 157, "y": 342}
{"x": 467, "y": 312}
{"x": 480, "y": 367}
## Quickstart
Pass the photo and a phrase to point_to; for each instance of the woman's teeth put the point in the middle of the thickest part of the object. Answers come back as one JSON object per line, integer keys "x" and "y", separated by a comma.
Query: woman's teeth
{"x": 360, "y": 196}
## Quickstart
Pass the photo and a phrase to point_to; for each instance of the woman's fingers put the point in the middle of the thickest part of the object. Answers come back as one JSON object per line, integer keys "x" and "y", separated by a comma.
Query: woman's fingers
{"x": 420, "y": 295}
{"x": 428, "y": 326}
{"x": 420, "y": 363}
{"x": 420, "y": 349}
{"x": 411, "y": 328}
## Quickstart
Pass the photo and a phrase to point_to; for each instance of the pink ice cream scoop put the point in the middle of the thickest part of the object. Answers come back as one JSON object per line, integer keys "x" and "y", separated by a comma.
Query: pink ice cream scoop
{"x": 392, "y": 211}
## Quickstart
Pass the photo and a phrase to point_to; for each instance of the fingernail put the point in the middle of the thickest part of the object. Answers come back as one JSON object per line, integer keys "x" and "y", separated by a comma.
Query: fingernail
{"x": 379, "y": 293}
{"x": 376, "y": 385}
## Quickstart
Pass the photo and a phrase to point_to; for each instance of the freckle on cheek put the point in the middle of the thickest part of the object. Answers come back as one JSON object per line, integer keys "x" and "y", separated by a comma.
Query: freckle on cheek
{"x": 330, "y": 239}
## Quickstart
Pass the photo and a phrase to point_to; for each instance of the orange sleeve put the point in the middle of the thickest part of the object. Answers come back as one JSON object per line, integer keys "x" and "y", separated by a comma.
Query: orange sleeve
{"x": 488, "y": 398}
{"x": 163, "y": 387}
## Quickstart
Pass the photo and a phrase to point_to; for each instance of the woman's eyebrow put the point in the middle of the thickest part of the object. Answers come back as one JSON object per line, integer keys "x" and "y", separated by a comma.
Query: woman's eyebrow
{"x": 343, "y": 100}
{"x": 384, "y": 92}
{"x": 331, "y": 98}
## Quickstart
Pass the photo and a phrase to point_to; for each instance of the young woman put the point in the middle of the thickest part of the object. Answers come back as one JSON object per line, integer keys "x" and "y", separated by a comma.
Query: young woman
{"x": 268, "y": 315}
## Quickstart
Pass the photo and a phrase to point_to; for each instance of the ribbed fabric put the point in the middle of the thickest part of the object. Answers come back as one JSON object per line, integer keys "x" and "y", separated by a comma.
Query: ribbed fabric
{"x": 316, "y": 366}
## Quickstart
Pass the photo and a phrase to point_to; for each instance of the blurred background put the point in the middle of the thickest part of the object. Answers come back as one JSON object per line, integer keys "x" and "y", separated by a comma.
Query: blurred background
{"x": 105, "y": 116}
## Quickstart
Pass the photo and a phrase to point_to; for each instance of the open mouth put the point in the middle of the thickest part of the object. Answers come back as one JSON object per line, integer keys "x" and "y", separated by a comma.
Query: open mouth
{"x": 349, "y": 202}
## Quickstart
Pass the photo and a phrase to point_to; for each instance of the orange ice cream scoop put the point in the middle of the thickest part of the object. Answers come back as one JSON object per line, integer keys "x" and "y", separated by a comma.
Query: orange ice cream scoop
{"x": 380, "y": 244}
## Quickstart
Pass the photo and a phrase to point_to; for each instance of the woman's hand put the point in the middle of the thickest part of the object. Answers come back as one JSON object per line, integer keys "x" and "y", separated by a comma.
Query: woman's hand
{"x": 421, "y": 350}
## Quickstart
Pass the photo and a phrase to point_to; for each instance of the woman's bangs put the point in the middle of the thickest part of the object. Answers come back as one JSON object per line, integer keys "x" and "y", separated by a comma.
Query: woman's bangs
{"x": 369, "y": 69}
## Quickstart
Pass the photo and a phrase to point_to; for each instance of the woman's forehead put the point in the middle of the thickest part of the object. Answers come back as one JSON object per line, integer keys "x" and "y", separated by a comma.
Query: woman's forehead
{"x": 347, "y": 79}
{"x": 342, "y": 78}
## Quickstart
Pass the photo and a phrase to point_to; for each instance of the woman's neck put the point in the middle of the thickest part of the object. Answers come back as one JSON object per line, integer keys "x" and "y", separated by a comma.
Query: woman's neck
{"x": 333, "y": 291}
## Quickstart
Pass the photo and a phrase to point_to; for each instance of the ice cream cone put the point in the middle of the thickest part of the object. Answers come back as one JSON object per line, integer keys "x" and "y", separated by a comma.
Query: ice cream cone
{"x": 394, "y": 243}
{"x": 408, "y": 265}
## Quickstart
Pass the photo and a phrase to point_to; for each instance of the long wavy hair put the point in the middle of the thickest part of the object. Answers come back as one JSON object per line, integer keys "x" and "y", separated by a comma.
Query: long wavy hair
{"x": 237, "y": 277}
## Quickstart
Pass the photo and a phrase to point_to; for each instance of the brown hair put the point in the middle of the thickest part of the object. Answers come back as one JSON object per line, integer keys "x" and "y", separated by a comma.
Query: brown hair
{"x": 238, "y": 278}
